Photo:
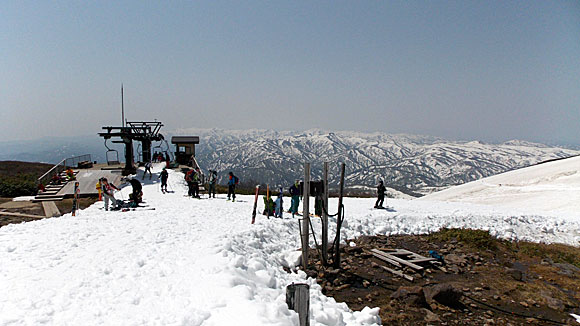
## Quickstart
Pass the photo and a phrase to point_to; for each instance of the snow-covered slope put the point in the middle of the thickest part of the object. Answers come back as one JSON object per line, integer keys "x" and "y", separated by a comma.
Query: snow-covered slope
{"x": 201, "y": 262}
{"x": 406, "y": 162}
{"x": 548, "y": 187}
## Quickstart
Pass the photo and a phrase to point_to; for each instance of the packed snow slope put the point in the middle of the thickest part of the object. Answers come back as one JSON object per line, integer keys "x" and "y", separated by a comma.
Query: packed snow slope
{"x": 201, "y": 262}
{"x": 549, "y": 187}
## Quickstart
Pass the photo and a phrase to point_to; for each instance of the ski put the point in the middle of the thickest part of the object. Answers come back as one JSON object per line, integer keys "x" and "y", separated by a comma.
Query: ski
{"x": 255, "y": 204}
{"x": 75, "y": 198}
{"x": 138, "y": 209}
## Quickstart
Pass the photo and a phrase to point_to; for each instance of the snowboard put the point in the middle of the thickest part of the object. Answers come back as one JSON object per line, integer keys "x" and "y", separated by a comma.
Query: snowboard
{"x": 75, "y": 198}
{"x": 255, "y": 204}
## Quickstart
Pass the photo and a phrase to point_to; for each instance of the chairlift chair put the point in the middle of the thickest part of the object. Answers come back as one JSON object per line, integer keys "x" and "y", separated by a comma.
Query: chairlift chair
{"x": 112, "y": 155}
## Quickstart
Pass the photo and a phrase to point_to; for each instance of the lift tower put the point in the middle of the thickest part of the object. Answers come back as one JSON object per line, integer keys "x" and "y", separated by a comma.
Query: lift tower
{"x": 143, "y": 131}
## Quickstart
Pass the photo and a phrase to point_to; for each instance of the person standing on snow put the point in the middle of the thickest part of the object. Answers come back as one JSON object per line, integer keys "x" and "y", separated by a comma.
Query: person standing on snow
{"x": 212, "y": 182}
{"x": 232, "y": 182}
{"x": 164, "y": 175}
{"x": 380, "y": 195}
{"x": 108, "y": 190}
{"x": 147, "y": 169}
{"x": 195, "y": 182}
{"x": 189, "y": 180}
{"x": 295, "y": 194}
{"x": 279, "y": 205}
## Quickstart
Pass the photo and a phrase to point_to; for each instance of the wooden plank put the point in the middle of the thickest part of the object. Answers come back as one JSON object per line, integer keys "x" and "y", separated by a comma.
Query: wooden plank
{"x": 398, "y": 273}
{"x": 50, "y": 209}
{"x": 378, "y": 254}
{"x": 22, "y": 215}
{"x": 399, "y": 260}
{"x": 422, "y": 260}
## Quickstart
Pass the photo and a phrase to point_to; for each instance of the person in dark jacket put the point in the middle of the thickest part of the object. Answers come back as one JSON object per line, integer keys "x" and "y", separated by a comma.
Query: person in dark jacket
{"x": 137, "y": 194}
{"x": 380, "y": 195}
{"x": 195, "y": 180}
{"x": 232, "y": 182}
{"x": 295, "y": 194}
{"x": 189, "y": 180}
{"x": 164, "y": 175}
{"x": 212, "y": 182}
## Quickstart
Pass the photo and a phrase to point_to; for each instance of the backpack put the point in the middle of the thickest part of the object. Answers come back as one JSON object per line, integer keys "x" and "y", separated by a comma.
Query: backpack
{"x": 236, "y": 180}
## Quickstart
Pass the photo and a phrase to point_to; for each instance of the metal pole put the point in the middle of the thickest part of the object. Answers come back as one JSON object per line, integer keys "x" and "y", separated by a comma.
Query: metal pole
{"x": 305, "y": 216}
{"x": 339, "y": 219}
{"x": 325, "y": 215}
{"x": 122, "y": 108}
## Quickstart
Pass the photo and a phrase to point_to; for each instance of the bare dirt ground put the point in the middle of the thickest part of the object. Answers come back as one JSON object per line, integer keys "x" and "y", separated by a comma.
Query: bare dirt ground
{"x": 483, "y": 281}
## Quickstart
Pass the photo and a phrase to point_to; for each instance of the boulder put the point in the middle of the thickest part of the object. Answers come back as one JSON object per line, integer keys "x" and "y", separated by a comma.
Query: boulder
{"x": 445, "y": 294}
{"x": 411, "y": 295}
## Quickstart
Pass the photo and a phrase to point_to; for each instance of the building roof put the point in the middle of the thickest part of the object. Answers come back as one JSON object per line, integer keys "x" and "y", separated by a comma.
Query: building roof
{"x": 185, "y": 140}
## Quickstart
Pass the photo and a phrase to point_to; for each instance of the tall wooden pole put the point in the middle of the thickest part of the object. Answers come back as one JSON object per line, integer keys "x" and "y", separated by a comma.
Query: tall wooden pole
{"x": 305, "y": 216}
{"x": 339, "y": 219}
{"x": 325, "y": 215}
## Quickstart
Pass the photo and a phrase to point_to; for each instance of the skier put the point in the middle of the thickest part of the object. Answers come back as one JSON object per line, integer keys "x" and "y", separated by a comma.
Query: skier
{"x": 279, "y": 205}
{"x": 195, "y": 182}
{"x": 232, "y": 182}
{"x": 147, "y": 169}
{"x": 212, "y": 182}
{"x": 137, "y": 195}
{"x": 108, "y": 190}
{"x": 295, "y": 194}
{"x": 189, "y": 180}
{"x": 164, "y": 175}
{"x": 380, "y": 194}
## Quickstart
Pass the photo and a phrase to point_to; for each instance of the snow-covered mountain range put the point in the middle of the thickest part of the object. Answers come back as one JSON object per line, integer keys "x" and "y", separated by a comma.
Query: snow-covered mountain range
{"x": 409, "y": 163}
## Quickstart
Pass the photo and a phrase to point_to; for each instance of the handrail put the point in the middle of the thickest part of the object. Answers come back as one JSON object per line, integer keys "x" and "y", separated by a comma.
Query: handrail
{"x": 49, "y": 171}
{"x": 62, "y": 165}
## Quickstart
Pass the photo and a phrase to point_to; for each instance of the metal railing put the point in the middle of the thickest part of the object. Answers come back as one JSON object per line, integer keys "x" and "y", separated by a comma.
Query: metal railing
{"x": 63, "y": 165}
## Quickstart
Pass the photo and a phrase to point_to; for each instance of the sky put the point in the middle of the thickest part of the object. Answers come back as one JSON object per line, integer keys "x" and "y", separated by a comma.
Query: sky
{"x": 462, "y": 70}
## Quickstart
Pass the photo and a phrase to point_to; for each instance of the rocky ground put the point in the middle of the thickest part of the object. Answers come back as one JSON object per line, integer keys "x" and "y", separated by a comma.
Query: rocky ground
{"x": 481, "y": 281}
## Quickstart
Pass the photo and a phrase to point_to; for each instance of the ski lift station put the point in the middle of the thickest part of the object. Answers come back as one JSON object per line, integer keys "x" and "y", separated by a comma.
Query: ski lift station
{"x": 55, "y": 185}
{"x": 184, "y": 148}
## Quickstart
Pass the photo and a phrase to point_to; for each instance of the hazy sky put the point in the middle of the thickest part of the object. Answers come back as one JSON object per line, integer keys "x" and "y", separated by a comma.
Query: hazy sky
{"x": 487, "y": 70}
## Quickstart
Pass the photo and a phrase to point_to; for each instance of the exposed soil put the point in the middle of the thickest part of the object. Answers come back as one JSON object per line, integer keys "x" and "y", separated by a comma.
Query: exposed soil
{"x": 483, "y": 281}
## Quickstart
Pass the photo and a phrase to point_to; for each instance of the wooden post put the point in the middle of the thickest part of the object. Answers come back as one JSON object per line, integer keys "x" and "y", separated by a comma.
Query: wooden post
{"x": 305, "y": 216}
{"x": 298, "y": 299}
{"x": 339, "y": 219}
{"x": 325, "y": 215}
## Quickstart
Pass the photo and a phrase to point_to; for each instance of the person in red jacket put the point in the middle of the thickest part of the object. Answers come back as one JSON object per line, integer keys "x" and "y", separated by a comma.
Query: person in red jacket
{"x": 108, "y": 189}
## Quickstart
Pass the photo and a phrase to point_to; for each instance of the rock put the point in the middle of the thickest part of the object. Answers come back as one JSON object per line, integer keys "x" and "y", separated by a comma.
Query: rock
{"x": 555, "y": 304}
{"x": 366, "y": 283}
{"x": 455, "y": 259}
{"x": 478, "y": 289}
{"x": 410, "y": 295}
{"x": 516, "y": 274}
{"x": 342, "y": 287}
{"x": 445, "y": 294}
{"x": 430, "y": 317}
{"x": 524, "y": 304}
{"x": 567, "y": 269}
